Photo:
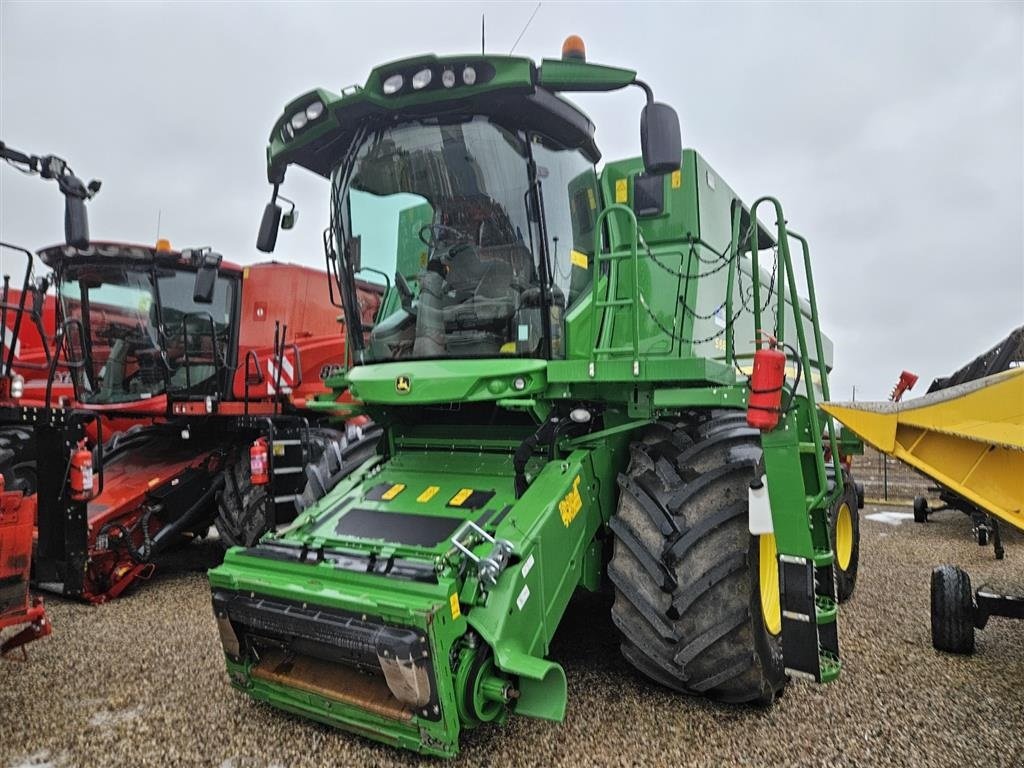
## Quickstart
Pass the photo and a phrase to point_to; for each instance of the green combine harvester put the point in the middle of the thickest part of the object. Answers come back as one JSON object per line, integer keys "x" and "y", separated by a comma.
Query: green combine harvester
{"x": 560, "y": 364}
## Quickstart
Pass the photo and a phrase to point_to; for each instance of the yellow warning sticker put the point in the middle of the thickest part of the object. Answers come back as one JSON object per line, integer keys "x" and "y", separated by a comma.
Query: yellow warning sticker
{"x": 579, "y": 259}
{"x": 245, "y": 273}
{"x": 459, "y": 498}
{"x": 592, "y": 199}
{"x": 677, "y": 179}
{"x": 621, "y": 191}
{"x": 278, "y": 449}
{"x": 571, "y": 505}
{"x": 428, "y": 494}
{"x": 393, "y": 491}
{"x": 454, "y": 602}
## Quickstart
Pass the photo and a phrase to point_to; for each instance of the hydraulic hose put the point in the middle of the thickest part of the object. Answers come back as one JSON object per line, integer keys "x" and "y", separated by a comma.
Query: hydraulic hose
{"x": 544, "y": 435}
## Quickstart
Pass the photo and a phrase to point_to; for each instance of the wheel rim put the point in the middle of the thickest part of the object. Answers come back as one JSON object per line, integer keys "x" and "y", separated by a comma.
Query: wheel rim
{"x": 844, "y": 536}
{"x": 771, "y": 605}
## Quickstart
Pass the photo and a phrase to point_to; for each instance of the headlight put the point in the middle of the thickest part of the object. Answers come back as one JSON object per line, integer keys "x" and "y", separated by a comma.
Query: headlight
{"x": 392, "y": 84}
{"x": 288, "y": 132}
{"x": 299, "y": 121}
{"x": 448, "y": 78}
{"x": 314, "y": 110}
{"x": 469, "y": 75}
{"x": 422, "y": 79}
{"x": 17, "y": 386}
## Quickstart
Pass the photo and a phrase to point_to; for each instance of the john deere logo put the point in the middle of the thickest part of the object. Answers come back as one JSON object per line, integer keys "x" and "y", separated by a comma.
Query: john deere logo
{"x": 403, "y": 385}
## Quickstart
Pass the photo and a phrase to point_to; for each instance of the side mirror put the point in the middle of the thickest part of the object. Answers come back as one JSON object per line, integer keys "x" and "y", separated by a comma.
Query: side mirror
{"x": 289, "y": 219}
{"x": 206, "y": 278}
{"x": 660, "y": 138}
{"x": 76, "y": 220}
{"x": 267, "y": 238}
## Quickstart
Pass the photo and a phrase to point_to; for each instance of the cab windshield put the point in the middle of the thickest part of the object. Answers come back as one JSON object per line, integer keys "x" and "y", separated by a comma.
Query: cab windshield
{"x": 477, "y": 257}
{"x": 137, "y": 340}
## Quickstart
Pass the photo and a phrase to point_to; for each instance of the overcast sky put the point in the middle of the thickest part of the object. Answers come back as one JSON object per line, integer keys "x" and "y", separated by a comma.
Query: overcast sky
{"x": 893, "y": 133}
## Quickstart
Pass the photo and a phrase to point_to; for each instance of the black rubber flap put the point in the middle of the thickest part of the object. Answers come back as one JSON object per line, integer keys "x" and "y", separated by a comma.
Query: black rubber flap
{"x": 396, "y": 527}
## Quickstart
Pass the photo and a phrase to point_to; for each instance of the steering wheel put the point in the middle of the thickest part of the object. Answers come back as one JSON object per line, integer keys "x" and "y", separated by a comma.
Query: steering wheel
{"x": 432, "y": 234}
{"x": 405, "y": 294}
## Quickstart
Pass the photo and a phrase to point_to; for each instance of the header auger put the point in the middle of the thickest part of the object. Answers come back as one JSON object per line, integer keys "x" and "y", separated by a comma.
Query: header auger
{"x": 559, "y": 363}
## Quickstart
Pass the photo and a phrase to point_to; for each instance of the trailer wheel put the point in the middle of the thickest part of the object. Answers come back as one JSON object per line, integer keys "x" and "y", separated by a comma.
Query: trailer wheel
{"x": 920, "y": 509}
{"x": 695, "y": 600}
{"x": 952, "y": 610}
{"x": 844, "y": 531}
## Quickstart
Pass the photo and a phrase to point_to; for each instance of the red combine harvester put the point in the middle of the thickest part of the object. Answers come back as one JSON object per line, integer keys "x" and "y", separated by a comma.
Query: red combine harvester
{"x": 143, "y": 388}
{"x": 27, "y": 342}
{"x": 184, "y": 378}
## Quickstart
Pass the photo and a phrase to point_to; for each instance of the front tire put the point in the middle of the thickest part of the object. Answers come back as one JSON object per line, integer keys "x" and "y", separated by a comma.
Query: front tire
{"x": 696, "y": 610}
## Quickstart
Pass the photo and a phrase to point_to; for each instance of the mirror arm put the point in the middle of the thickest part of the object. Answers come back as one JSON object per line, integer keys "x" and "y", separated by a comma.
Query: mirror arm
{"x": 647, "y": 90}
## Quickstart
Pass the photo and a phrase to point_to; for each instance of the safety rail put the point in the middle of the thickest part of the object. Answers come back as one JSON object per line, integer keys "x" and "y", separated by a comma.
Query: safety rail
{"x": 786, "y": 282}
{"x": 612, "y": 298}
{"x": 9, "y": 346}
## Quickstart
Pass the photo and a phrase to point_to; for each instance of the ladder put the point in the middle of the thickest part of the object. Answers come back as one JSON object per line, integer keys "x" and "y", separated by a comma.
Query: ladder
{"x": 794, "y": 460}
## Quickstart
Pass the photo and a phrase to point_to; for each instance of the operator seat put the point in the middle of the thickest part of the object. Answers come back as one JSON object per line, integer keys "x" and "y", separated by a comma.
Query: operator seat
{"x": 480, "y": 299}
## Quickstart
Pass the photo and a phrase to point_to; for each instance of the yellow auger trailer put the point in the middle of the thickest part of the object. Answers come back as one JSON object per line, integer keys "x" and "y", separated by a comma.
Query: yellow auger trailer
{"x": 969, "y": 438}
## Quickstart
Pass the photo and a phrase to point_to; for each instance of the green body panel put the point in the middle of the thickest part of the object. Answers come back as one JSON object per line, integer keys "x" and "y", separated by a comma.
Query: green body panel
{"x": 666, "y": 328}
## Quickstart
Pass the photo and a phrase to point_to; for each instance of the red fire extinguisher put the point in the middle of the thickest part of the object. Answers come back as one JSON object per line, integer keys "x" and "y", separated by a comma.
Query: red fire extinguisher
{"x": 259, "y": 463}
{"x": 81, "y": 471}
{"x": 765, "y": 404}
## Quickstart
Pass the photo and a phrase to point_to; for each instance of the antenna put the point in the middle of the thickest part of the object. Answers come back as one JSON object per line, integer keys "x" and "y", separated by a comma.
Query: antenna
{"x": 159, "y": 213}
{"x": 483, "y": 34}
{"x": 526, "y": 27}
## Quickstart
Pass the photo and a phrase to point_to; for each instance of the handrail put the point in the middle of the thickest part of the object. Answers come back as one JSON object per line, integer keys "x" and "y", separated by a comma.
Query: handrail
{"x": 819, "y": 349}
{"x": 787, "y": 280}
{"x": 612, "y": 284}
{"x": 8, "y": 365}
{"x": 60, "y": 340}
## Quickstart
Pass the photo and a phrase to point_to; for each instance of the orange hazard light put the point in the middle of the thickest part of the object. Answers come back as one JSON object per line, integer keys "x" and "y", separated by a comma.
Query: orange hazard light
{"x": 573, "y": 48}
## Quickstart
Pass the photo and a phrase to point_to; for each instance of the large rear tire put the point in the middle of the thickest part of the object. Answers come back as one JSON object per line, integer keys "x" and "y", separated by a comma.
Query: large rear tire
{"x": 696, "y": 610}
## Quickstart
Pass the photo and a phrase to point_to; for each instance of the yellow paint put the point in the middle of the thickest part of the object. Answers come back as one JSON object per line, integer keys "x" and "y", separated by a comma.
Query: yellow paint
{"x": 454, "y": 602}
{"x": 677, "y": 179}
{"x": 428, "y": 494}
{"x": 771, "y": 603}
{"x": 844, "y": 536}
{"x": 579, "y": 259}
{"x": 393, "y": 491}
{"x": 621, "y": 190}
{"x": 459, "y": 498}
{"x": 571, "y": 505}
{"x": 969, "y": 439}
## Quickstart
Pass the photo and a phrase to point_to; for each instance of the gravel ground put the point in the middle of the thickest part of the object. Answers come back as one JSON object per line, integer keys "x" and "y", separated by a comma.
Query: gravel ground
{"x": 140, "y": 682}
